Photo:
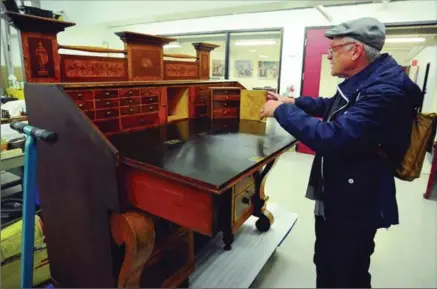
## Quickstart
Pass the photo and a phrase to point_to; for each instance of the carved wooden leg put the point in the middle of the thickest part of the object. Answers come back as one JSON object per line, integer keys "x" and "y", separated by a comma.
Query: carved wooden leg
{"x": 137, "y": 232}
{"x": 266, "y": 218}
{"x": 228, "y": 239}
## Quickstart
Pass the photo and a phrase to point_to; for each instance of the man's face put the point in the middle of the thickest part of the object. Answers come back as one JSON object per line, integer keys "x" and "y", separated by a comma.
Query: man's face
{"x": 342, "y": 59}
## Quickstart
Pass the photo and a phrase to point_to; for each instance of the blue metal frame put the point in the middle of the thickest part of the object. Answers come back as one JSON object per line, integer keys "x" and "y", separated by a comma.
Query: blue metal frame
{"x": 29, "y": 200}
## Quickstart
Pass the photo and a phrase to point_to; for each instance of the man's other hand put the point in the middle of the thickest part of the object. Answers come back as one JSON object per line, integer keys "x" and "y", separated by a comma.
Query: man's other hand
{"x": 275, "y": 96}
{"x": 268, "y": 110}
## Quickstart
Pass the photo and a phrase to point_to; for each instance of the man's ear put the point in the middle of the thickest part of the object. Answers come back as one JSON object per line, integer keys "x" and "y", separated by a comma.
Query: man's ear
{"x": 359, "y": 49}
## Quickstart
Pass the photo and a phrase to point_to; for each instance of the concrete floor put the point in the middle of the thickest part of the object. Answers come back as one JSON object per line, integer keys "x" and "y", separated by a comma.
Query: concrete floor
{"x": 405, "y": 255}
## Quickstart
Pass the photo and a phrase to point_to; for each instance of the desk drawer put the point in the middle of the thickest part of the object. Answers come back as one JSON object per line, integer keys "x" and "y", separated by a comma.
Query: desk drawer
{"x": 107, "y": 126}
{"x": 106, "y": 113}
{"x": 106, "y": 93}
{"x": 225, "y": 113}
{"x": 150, "y": 108}
{"x": 139, "y": 120}
{"x": 126, "y": 110}
{"x": 202, "y": 100}
{"x": 242, "y": 205}
{"x": 106, "y": 103}
{"x": 226, "y": 104}
{"x": 227, "y": 97}
{"x": 130, "y": 101}
{"x": 149, "y": 91}
{"x": 85, "y": 105}
{"x": 149, "y": 99}
{"x": 129, "y": 92}
{"x": 81, "y": 95}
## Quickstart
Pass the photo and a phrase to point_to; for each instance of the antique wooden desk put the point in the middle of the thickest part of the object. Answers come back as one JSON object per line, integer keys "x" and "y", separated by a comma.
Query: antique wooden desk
{"x": 149, "y": 152}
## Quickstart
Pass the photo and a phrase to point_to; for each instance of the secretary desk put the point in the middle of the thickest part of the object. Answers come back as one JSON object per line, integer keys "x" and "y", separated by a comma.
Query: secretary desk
{"x": 150, "y": 151}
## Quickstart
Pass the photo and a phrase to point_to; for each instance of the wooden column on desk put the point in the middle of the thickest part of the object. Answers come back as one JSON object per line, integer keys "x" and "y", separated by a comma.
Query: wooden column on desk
{"x": 145, "y": 55}
{"x": 203, "y": 53}
{"x": 39, "y": 46}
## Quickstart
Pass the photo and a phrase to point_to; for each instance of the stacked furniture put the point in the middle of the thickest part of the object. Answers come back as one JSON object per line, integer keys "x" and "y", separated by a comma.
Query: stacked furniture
{"x": 150, "y": 152}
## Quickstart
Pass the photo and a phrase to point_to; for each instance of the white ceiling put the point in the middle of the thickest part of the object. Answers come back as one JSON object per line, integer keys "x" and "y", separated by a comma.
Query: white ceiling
{"x": 126, "y": 12}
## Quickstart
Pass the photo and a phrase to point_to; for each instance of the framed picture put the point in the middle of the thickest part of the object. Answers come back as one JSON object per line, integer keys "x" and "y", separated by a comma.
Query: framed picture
{"x": 218, "y": 67}
{"x": 268, "y": 69}
{"x": 243, "y": 68}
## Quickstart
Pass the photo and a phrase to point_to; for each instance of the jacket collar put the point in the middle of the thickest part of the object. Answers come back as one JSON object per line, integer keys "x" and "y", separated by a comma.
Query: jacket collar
{"x": 353, "y": 84}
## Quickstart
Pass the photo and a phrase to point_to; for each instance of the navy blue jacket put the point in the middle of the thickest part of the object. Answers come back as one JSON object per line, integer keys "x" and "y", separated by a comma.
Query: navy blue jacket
{"x": 371, "y": 111}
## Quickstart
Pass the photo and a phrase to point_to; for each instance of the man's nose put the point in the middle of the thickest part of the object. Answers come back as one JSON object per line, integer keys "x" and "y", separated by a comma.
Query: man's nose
{"x": 329, "y": 56}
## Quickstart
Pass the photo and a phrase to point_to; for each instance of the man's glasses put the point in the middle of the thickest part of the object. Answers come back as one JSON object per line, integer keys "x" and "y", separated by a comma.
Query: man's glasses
{"x": 331, "y": 49}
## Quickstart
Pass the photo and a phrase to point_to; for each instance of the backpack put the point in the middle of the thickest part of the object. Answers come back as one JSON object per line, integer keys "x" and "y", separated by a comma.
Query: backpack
{"x": 422, "y": 138}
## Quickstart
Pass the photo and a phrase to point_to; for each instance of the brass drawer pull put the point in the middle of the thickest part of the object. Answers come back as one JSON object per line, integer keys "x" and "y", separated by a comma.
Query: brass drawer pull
{"x": 108, "y": 113}
{"x": 130, "y": 101}
{"x": 108, "y": 103}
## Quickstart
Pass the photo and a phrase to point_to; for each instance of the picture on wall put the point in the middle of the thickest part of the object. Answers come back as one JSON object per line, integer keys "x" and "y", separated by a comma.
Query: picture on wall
{"x": 218, "y": 67}
{"x": 243, "y": 68}
{"x": 268, "y": 69}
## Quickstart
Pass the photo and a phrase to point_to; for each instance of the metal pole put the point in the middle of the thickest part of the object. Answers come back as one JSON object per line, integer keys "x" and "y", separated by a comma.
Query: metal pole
{"x": 29, "y": 200}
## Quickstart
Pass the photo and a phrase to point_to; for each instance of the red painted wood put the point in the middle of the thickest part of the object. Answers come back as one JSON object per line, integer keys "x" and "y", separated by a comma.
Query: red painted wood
{"x": 178, "y": 203}
{"x": 317, "y": 44}
{"x": 432, "y": 176}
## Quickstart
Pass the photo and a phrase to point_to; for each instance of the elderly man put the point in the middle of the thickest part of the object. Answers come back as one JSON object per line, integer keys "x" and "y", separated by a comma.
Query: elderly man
{"x": 352, "y": 183}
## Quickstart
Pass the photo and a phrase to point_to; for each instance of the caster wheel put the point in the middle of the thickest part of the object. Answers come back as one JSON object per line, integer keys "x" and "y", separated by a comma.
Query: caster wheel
{"x": 265, "y": 221}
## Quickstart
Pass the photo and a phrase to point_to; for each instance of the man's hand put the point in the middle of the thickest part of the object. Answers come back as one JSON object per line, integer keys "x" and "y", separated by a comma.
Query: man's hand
{"x": 275, "y": 96}
{"x": 268, "y": 110}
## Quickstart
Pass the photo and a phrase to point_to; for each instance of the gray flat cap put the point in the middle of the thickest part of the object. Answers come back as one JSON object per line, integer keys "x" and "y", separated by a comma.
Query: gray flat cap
{"x": 367, "y": 30}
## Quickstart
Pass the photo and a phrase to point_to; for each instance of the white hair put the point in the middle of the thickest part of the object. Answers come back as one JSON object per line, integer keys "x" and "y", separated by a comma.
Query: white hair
{"x": 371, "y": 53}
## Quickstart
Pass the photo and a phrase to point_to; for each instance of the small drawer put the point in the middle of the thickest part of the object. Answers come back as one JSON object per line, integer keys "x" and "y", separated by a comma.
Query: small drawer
{"x": 105, "y": 103}
{"x": 225, "y": 113}
{"x": 242, "y": 204}
{"x": 201, "y": 89}
{"x": 150, "y": 99}
{"x": 150, "y": 108}
{"x": 201, "y": 100}
{"x": 91, "y": 114}
{"x": 106, "y": 126}
{"x": 135, "y": 109}
{"x": 130, "y": 101}
{"x": 129, "y": 92}
{"x": 226, "y": 104}
{"x": 201, "y": 111}
{"x": 81, "y": 95}
{"x": 106, "y": 94}
{"x": 85, "y": 105}
{"x": 243, "y": 184}
{"x": 225, "y": 91}
{"x": 149, "y": 91}
{"x": 106, "y": 113}
{"x": 139, "y": 120}
{"x": 227, "y": 97}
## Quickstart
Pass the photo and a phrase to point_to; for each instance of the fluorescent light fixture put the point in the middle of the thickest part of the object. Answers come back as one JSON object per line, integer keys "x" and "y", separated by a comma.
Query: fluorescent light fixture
{"x": 255, "y": 42}
{"x": 172, "y": 45}
{"x": 252, "y": 50}
{"x": 404, "y": 40}
{"x": 263, "y": 56}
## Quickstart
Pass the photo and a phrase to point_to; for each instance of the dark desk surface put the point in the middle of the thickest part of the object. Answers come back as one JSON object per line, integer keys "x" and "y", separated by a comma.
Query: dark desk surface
{"x": 211, "y": 152}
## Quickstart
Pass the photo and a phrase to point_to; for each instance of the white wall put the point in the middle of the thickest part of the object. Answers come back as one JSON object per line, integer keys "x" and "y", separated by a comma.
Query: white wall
{"x": 294, "y": 23}
{"x": 428, "y": 55}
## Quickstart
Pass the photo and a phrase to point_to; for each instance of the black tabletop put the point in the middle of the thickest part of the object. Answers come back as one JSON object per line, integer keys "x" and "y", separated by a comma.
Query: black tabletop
{"x": 212, "y": 152}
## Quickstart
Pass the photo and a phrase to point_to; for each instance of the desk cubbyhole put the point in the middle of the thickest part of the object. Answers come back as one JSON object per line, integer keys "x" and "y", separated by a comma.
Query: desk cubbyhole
{"x": 177, "y": 103}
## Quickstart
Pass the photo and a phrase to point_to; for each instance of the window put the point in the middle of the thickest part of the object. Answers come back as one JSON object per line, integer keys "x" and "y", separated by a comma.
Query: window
{"x": 253, "y": 57}
{"x": 183, "y": 45}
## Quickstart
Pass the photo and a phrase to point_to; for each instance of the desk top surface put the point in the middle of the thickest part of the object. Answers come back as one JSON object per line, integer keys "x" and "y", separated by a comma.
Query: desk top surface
{"x": 210, "y": 152}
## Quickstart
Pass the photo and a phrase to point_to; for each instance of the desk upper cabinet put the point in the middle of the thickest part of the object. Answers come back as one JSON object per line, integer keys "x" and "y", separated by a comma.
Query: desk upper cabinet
{"x": 236, "y": 102}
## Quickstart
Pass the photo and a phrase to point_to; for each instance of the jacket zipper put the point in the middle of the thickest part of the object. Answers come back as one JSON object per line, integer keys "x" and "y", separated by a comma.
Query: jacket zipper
{"x": 329, "y": 118}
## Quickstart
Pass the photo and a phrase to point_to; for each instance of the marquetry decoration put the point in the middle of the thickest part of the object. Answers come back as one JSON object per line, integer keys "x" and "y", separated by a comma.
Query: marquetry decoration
{"x": 40, "y": 47}
{"x": 203, "y": 57}
{"x": 251, "y": 103}
{"x": 145, "y": 55}
{"x": 92, "y": 68}
{"x": 174, "y": 70}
